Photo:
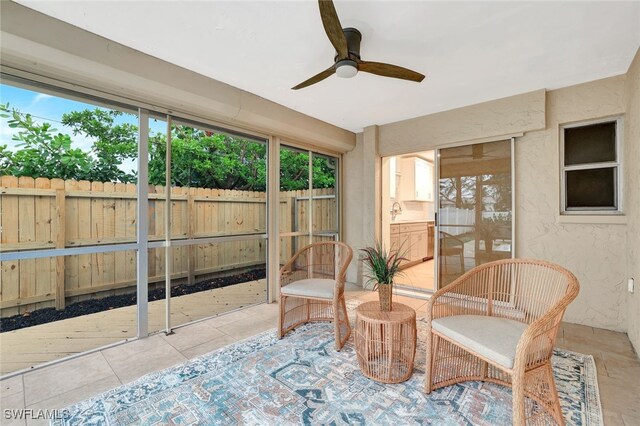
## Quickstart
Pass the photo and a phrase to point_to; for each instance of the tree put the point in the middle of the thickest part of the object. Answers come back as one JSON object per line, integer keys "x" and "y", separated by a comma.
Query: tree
{"x": 458, "y": 191}
{"x": 5, "y": 160}
{"x": 294, "y": 171}
{"x": 199, "y": 158}
{"x": 113, "y": 144}
{"x": 43, "y": 153}
{"x": 208, "y": 160}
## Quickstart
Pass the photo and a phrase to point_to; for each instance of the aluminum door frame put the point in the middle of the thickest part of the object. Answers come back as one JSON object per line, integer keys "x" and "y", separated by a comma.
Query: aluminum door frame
{"x": 436, "y": 183}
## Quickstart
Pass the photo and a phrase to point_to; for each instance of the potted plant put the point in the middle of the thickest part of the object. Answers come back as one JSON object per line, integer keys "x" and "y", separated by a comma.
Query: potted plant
{"x": 383, "y": 266}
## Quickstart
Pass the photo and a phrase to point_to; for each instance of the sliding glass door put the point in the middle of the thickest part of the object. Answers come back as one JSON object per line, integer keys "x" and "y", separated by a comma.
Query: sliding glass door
{"x": 308, "y": 210}
{"x": 123, "y": 221}
{"x": 217, "y": 221}
{"x": 68, "y": 220}
{"x": 475, "y": 208}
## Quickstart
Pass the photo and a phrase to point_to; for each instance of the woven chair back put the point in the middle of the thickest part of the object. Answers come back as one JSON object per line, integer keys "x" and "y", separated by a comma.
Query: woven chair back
{"x": 328, "y": 259}
{"x": 519, "y": 289}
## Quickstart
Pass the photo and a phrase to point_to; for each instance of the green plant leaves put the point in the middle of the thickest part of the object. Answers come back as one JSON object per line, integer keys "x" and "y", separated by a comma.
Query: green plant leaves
{"x": 382, "y": 265}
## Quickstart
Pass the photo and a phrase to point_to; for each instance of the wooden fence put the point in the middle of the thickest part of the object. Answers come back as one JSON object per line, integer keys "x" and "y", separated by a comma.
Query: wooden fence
{"x": 45, "y": 214}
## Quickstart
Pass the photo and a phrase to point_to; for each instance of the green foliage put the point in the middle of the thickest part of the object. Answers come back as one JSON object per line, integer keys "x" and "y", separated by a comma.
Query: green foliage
{"x": 324, "y": 172}
{"x": 6, "y": 160}
{"x": 294, "y": 171}
{"x": 43, "y": 152}
{"x": 113, "y": 144}
{"x": 208, "y": 160}
{"x": 199, "y": 158}
{"x": 383, "y": 265}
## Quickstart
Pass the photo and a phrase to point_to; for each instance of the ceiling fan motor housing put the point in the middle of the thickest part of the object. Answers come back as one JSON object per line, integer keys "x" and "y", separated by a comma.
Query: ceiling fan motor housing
{"x": 354, "y": 37}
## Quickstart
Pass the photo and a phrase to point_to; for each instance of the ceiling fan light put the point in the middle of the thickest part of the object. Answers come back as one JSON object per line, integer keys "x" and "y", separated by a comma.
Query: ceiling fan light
{"x": 346, "y": 68}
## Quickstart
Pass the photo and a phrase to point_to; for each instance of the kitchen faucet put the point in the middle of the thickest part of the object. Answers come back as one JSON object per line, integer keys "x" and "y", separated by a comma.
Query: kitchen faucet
{"x": 396, "y": 209}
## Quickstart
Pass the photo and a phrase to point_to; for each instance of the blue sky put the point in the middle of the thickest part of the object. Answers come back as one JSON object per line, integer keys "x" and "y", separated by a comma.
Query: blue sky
{"x": 47, "y": 108}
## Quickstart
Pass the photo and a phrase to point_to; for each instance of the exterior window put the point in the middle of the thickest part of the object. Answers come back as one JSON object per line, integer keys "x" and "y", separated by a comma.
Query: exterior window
{"x": 591, "y": 167}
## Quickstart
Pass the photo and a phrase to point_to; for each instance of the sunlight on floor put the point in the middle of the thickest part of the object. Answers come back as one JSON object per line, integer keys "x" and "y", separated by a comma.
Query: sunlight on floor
{"x": 419, "y": 277}
{"x": 35, "y": 345}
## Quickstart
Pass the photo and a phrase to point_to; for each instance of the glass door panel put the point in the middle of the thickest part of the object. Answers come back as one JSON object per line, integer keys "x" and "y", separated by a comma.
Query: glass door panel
{"x": 69, "y": 181}
{"x": 308, "y": 199}
{"x": 294, "y": 199}
{"x": 294, "y": 185}
{"x": 156, "y": 219}
{"x": 324, "y": 196}
{"x": 229, "y": 275}
{"x": 474, "y": 207}
{"x": 217, "y": 225}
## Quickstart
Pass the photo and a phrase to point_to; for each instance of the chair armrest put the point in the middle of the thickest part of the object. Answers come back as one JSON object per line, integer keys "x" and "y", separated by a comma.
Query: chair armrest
{"x": 284, "y": 275}
{"x": 286, "y": 272}
{"x": 303, "y": 264}
{"x": 446, "y": 235}
{"x": 536, "y": 343}
{"x": 286, "y": 268}
{"x": 288, "y": 276}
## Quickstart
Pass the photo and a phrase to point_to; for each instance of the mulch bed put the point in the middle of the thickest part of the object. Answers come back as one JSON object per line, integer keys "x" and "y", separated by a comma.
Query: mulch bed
{"x": 92, "y": 306}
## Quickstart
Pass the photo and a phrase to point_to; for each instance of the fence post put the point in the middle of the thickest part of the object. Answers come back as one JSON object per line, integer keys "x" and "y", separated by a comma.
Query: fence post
{"x": 60, "y": 243}
{"x": 191, "y": 218}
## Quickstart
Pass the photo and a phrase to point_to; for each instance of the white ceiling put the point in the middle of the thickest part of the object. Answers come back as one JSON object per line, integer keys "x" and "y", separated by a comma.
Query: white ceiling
{"x": 470, "y": 51}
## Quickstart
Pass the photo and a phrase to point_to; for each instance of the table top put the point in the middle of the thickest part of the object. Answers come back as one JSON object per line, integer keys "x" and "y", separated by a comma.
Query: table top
{"x": 370, "y": 311}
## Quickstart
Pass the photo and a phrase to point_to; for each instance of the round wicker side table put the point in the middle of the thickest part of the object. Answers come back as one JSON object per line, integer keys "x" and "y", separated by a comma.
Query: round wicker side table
{"x": 385, "y": 341}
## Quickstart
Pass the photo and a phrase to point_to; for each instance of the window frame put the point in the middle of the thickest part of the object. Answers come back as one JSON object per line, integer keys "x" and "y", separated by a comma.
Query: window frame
{"x": 336, "y": 233}
{"x": 617, "y": 165}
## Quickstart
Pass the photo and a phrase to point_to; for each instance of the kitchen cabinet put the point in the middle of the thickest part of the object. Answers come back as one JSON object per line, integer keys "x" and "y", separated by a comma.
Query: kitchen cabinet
{"x": 418, "y": 245}
{"x": 395, "y": 239}
{"x": 416, "y": 180}
{"x": 414, "y": 239}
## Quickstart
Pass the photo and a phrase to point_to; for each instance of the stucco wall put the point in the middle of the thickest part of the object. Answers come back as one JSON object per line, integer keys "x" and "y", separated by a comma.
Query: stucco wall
{"x": 353, "y": 200}
{"x": 632, "y": 165}
{"x": 361, "y": 165}
{"x": 361, "y": 204}
{"x": 515, "y": 114}
{"x": 595, "y": 252}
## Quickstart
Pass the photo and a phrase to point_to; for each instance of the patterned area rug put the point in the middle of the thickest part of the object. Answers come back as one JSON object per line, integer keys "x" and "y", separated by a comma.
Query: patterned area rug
{"x": 303, "y": 380}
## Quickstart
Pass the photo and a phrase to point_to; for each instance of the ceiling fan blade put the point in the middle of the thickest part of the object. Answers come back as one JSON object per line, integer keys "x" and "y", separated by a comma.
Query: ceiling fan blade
{"x": 316, "y": 78}
{"x": 387, "y": 70}
{"x": 333, "y": 28}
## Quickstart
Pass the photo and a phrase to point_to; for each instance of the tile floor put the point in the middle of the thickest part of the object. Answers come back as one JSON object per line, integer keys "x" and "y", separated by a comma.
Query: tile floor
{"x": 65, "y": 383}
{"x": 419, "y": 277}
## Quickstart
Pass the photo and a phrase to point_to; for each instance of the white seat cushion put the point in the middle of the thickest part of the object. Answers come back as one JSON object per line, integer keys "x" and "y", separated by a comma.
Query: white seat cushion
{"x": 310, "y": 287}
{"x": 493, "y": 338}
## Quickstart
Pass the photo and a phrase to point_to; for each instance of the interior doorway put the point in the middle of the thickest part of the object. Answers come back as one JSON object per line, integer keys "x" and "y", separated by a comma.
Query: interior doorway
{"x": 408, "y": 217}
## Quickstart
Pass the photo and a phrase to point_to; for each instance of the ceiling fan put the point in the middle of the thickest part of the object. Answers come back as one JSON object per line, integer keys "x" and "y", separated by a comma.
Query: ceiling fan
{"x": 347, "y": 61}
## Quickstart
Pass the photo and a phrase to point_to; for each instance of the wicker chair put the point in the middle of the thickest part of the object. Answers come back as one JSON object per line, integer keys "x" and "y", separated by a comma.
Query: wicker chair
{"x": 498, "y": 323}
{"x": 312, "y": 288}
{"x": 451, "y": 246}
